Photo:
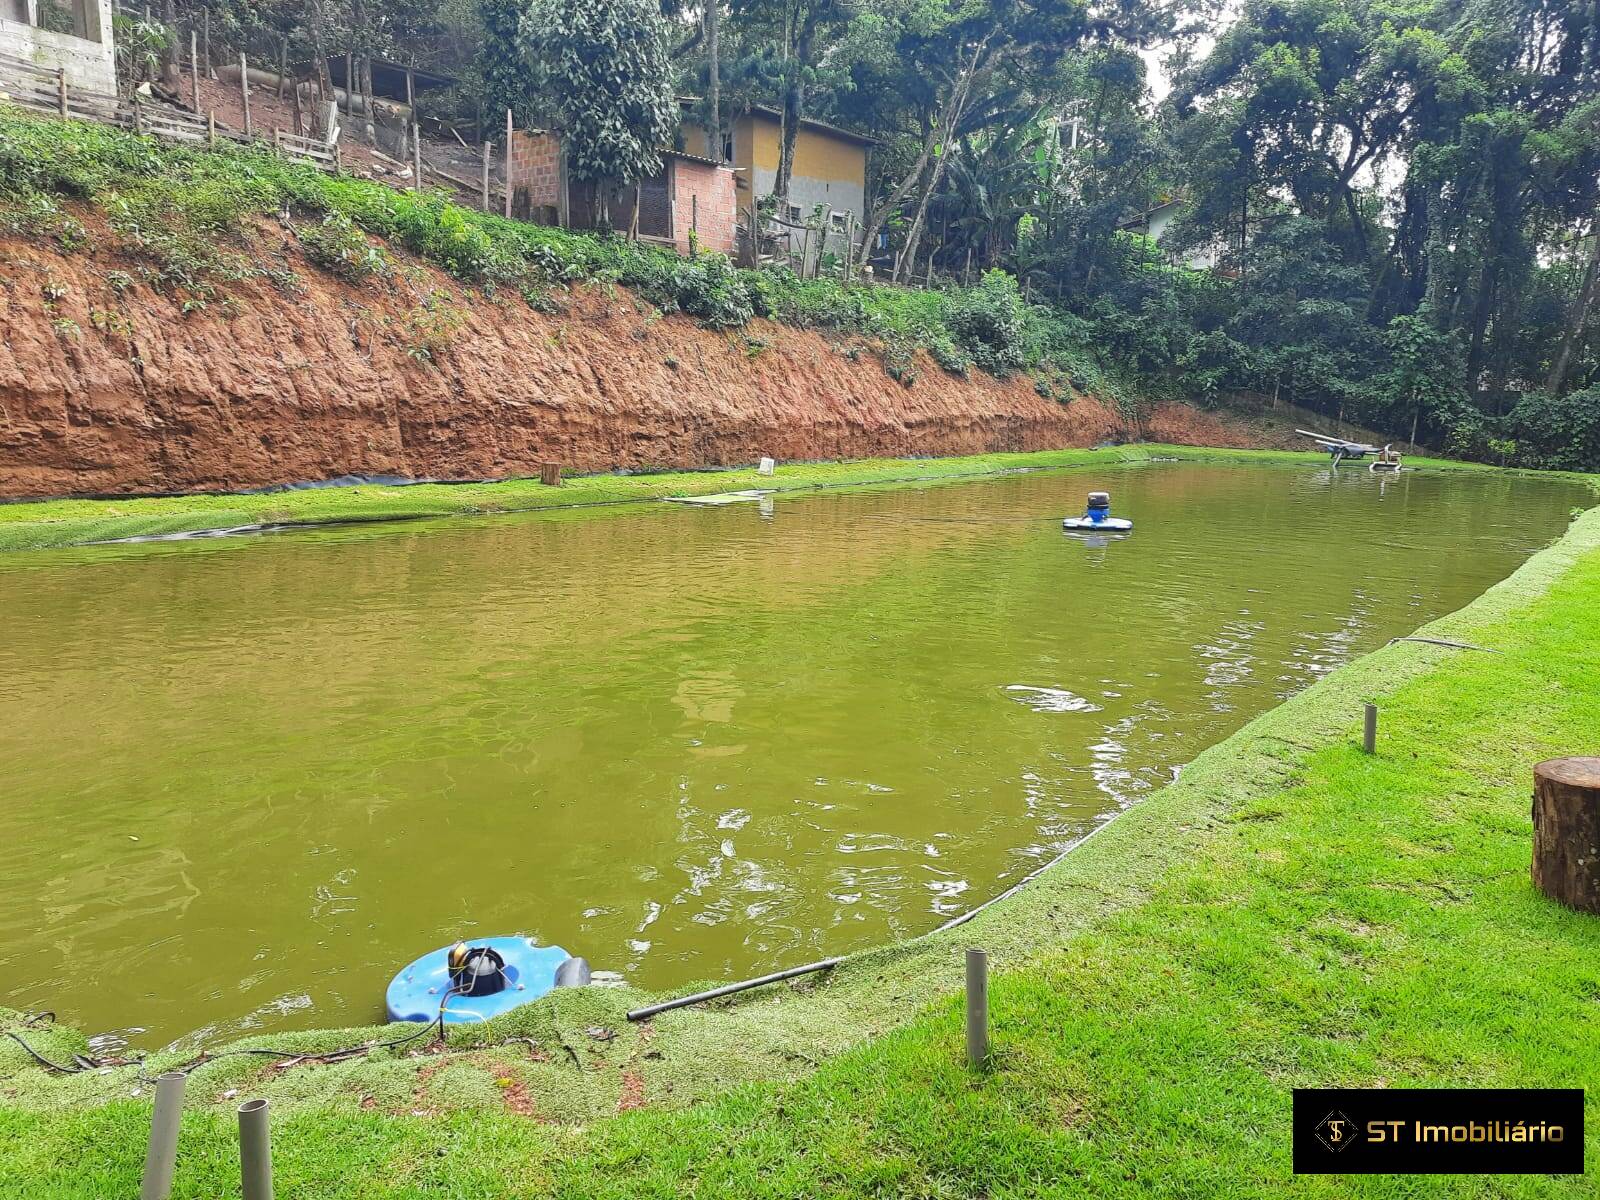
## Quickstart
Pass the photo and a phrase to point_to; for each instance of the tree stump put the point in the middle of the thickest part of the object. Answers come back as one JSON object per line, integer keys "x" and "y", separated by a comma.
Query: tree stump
{"x": 550, "y": 474}
{"x": 1566, "y": 831}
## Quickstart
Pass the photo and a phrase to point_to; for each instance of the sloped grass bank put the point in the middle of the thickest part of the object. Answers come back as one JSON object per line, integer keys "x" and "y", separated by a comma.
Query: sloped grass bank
{"x": 39, "y": 525}
{"x": 1290, "y": 912}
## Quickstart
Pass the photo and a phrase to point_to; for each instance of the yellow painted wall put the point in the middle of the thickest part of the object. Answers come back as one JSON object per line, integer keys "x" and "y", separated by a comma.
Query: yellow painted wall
{"x": 817, "y": 154}
{"x": 756, "y": 144}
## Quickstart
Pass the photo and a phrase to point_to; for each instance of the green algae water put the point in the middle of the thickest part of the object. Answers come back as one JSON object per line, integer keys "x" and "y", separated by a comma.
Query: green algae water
{"x": 246, "y": 779}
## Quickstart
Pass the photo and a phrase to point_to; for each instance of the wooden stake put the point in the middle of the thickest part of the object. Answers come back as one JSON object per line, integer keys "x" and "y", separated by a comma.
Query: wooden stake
{"x": 205, "y": 26}
{"x": 211, "y": 127}
{"x": 244, "y": 90}
{"x": 194, "y": 68}
{"x": 416, "y": 156}
{"x": 509, "y": 130}
{"x": 350, "y": 86}
{"x": 1566, "y": 831}
{"x": 1369, "y": 729}
{"x": 61, "y": 92}
{"x": 486, "y": 153}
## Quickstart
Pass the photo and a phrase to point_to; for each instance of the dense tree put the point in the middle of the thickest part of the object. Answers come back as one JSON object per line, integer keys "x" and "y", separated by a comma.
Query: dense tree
{"x": 603, "y": 73}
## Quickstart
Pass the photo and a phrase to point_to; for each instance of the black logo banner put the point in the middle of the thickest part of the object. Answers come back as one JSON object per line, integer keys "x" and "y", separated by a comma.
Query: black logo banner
{"x": 1438, "y": 1131}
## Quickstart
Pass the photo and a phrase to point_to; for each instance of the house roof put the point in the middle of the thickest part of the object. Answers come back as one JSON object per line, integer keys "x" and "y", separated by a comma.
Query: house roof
{"x": 697, "y": 158}
{"x": 389, "y": 78}
{"x": 860, "y": 139}
{"x": 773, "y": 114}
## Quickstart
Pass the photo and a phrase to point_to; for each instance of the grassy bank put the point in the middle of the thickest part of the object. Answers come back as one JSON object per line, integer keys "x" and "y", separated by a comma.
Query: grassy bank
{"x": 49, "y": 523}
{"x": 1291, "y": 912}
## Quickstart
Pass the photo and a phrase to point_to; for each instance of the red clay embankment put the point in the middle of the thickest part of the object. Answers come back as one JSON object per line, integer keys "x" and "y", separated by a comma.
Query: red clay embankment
{"x": 108, "y": 389}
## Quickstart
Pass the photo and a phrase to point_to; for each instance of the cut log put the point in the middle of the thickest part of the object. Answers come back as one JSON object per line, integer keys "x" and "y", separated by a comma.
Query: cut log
{"x": 550, "y": 474}
{"x": 1566, "y": 831}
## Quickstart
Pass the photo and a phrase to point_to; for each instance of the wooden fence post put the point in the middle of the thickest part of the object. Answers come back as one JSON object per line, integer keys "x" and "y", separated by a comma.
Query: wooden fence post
{"x": 486, "y": 153}
{"x": 244, "y": 90}
{"x": 61, "y": 92}
{"x": 194, "y": 68}
{"x": 206, "y": 26}
{"x": 416, "y": 157}
{"x": 211, "y": 127}
{"x": 508, "y": 163}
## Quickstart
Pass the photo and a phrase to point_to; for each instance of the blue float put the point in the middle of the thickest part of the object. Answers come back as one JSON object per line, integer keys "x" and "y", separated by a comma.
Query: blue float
{"x": 1097, "y": 517}
{"x": 466, "y": 983}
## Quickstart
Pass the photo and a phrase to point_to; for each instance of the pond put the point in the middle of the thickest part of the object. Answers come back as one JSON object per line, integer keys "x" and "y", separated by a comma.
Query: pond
{"x": 247, "y": 779}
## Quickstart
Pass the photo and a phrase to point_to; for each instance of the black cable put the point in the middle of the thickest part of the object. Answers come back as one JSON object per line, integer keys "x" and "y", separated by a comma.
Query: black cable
{"x": 75, "y": 1069}
{"x": 85, "y": 1064}
{"x": 364, "y": 1047}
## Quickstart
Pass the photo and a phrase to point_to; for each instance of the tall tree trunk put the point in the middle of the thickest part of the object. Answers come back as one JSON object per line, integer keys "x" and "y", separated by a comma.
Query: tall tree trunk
{"x": 317, "y": 28}
{"x": 951, "y": 119}
{"x": 169, "y": 56}
{"x": 714, "y": 79}
{"x": 1580, "y": 316}
{"x": 874, "y": 223}
{"x": 799, "y": 38}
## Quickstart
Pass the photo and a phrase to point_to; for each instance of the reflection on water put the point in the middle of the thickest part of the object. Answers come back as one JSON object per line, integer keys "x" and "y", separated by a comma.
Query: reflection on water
{"x": 247, "y": 779}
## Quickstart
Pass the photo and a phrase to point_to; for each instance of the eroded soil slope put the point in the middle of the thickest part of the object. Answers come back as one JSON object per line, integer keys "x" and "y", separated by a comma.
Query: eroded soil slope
{"x": 108, "y": 386}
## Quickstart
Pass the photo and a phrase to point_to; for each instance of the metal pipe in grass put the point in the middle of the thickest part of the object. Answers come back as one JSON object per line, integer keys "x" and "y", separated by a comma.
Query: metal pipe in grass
{"x": 162, "y": 1156}
{"x": 729, "y": 989}
{"x": 255, "y": 1150}
{"x": 977, "y": 1009}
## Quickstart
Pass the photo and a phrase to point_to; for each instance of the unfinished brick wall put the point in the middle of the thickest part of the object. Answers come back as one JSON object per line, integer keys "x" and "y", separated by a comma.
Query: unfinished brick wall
{"x": 534, "y": 175}
{"x": 704, "y": 199}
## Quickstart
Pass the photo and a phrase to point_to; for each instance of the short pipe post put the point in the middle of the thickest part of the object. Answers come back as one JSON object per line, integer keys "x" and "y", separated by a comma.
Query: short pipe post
{"x": 977, "y": 1009}
{"x": 255, "y": 1150}
{"x": 1369, "y": 732}
{"x": 162, "y": 1156}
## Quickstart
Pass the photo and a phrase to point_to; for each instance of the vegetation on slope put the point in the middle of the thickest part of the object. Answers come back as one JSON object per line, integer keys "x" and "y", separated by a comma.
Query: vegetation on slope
{"x": 190, "y": 216}
{"x": 1292, "y": 912}
{"x": 1402, "y": 198}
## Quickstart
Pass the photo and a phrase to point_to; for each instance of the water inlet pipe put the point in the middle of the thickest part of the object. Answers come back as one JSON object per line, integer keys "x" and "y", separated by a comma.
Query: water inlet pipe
{"x": 162, "y": 1156}
{"x": 728, "y": 989}
{"x": 255, "y": 1150}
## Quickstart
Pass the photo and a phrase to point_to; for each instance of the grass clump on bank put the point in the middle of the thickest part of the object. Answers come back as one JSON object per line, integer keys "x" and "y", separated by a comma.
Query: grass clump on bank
{"x": 47, "y": 524}
{"x": 188, "y": 212}
{"x": 1290, "y": 913}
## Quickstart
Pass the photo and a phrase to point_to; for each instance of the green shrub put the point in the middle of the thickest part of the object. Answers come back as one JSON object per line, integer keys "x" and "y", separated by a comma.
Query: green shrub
{"x": 337, "y": 246}
{"x": 987, "y": 322}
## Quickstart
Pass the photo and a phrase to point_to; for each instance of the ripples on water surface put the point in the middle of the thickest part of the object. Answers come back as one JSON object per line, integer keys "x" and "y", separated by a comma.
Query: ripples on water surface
{"x": 245, "y": 780}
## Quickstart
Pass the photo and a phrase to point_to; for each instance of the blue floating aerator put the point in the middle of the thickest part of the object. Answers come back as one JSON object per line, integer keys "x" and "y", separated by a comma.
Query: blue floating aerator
{"x": 1097, "y": 516}
{"x": 464, "y": 983}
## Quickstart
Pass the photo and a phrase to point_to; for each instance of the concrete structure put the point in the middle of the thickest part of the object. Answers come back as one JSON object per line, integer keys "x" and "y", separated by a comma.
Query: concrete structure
{"x": 68, "y": 35}
{"x": 830, "y": 170}
{"x": 1154, "y": 225}
{"x": 691, "y": 202}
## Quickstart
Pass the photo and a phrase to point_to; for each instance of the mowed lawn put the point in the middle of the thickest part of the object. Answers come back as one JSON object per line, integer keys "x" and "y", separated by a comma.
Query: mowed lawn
{"x": 1367, "y": 922}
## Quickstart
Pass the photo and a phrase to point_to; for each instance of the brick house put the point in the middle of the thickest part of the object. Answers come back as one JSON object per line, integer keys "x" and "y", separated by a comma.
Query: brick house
{"x": 691, "y": 201}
